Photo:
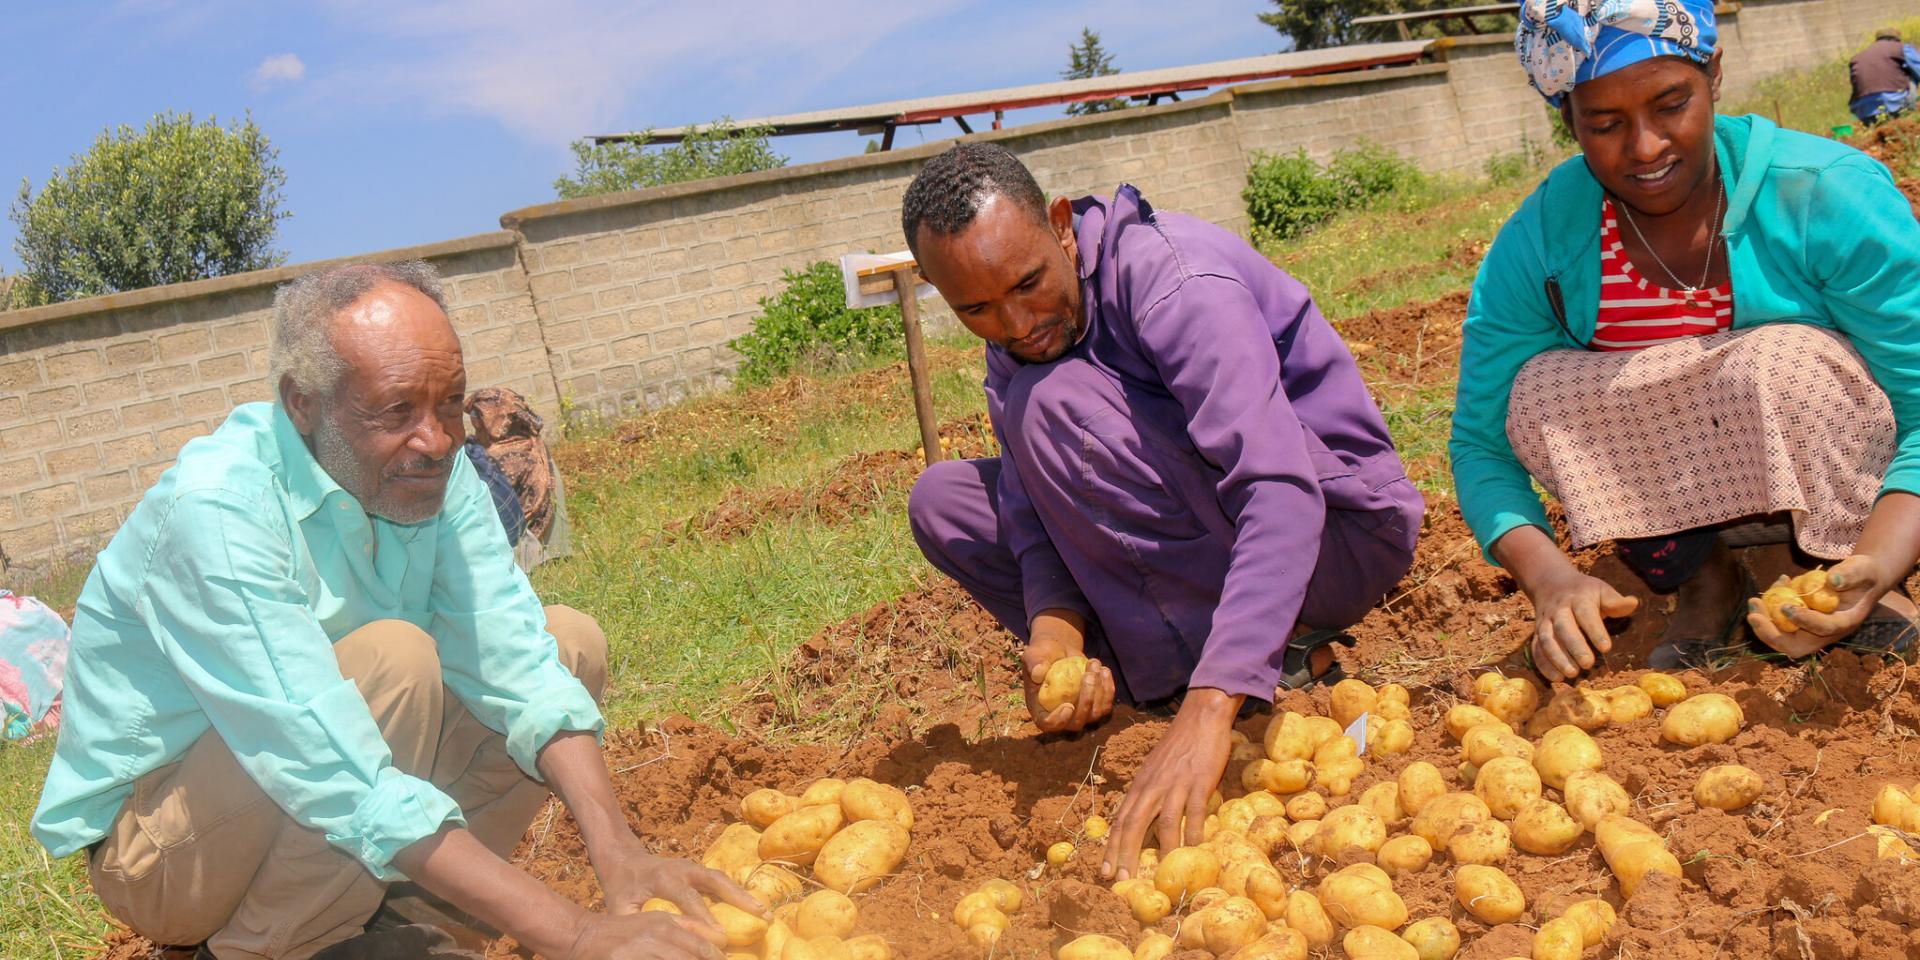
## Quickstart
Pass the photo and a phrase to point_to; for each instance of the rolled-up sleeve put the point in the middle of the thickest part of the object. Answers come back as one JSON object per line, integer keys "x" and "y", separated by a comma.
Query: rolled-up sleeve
{"x": 231, "y": 615}
{"x": 495, "y": 650}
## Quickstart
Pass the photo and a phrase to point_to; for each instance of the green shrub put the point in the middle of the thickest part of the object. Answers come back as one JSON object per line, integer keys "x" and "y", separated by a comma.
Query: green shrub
{"x": 1288, "y": 194}
{"x": 809, "y": 324}
{"x": 717, "y": 150}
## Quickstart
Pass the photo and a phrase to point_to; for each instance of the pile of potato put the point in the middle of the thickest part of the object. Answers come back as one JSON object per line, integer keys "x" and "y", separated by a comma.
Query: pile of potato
{"x": 850, "y": 833}
{"x": 1531, "y": 777}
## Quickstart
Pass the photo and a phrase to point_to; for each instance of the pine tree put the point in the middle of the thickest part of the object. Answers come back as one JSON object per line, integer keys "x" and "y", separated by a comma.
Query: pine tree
{"x": 1086, "y": 60}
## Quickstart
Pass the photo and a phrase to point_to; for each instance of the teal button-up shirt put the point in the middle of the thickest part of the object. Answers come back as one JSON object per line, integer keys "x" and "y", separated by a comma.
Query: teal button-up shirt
{"x": 216, "y": 605}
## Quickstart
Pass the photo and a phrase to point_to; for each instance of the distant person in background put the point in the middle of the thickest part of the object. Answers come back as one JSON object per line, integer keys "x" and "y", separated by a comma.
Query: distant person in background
{"x": 1883, "y": 77}
{"x": 1698, "y": 322}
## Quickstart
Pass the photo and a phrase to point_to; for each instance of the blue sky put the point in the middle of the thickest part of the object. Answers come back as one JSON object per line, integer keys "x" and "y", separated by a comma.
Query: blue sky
{"x": 402, "y": 123}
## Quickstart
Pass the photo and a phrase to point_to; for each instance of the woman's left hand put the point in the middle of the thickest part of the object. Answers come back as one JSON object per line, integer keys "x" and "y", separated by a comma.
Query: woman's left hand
{"x": 1860, "y": 580}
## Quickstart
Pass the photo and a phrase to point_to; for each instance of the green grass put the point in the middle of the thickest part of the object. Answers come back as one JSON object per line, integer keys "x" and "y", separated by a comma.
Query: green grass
{"x": 1813, "y": 100}
{"x": 47, "y": 910}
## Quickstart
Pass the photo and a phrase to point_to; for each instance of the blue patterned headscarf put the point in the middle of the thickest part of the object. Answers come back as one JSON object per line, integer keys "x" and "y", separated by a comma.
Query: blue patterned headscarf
{"x": 1566, "y": 42}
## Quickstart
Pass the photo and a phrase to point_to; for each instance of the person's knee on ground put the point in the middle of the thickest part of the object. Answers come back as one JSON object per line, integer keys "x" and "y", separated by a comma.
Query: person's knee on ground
{"x": 582, "y": 646}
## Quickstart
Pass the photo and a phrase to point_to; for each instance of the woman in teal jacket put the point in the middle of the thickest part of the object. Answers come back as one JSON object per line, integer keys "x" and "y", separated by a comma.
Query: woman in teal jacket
{"x": 1698, "y": 325}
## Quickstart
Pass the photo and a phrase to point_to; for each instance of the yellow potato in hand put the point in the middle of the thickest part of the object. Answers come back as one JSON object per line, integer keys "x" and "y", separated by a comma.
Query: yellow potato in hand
{"x": 1062, "y": 684}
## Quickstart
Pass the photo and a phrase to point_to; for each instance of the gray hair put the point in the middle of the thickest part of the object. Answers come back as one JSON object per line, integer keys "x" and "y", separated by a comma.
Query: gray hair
{"x": 300, "y": 346}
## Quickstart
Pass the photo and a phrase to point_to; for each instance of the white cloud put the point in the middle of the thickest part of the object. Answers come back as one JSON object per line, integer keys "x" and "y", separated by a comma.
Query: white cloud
{"x": 279, "y": 68}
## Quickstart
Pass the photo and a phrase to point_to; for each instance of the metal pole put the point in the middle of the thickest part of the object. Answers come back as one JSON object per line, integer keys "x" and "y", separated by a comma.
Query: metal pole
{"x": 903, "y": 284}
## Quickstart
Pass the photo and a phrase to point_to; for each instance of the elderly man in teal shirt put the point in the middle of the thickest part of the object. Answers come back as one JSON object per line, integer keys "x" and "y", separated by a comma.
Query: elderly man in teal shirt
{"x": 307, "y": 667}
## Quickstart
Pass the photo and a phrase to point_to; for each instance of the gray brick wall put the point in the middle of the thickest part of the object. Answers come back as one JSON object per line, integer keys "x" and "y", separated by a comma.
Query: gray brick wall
{"x": 628, "y": 300}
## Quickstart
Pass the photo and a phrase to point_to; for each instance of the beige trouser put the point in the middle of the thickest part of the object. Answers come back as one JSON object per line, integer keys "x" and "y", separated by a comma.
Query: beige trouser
{"x": 199, "y": 853}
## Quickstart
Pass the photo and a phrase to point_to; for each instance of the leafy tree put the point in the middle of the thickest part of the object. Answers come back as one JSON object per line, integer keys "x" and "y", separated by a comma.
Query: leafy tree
{"x": 176, "y": 201}
{"x": 1086, "y": 60}
{"x": 1312, "y": 24}
{"x": 717, "y": 150}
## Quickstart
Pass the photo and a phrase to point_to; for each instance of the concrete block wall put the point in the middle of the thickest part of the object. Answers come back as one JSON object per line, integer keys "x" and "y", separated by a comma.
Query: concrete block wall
{"x": 627, "y": 300}
{"x": 98, "y": 398}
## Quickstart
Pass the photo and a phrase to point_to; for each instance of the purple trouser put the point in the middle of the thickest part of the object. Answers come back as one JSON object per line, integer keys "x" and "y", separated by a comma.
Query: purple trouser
{"x": 1129, "y": 508}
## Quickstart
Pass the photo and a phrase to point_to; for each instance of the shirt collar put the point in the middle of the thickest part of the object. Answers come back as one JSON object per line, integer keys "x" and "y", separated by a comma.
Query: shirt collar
{"x": 309, "y": 485}
{"x": 1096, "y": 219}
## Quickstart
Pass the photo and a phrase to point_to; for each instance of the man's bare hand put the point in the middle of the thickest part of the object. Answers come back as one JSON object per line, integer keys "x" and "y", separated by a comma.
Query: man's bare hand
{"x": 1180, "y": 774}
{"x": 655, "y": 935}
{"x": 632, "y": 875}
{"x": 1058, "y": 634}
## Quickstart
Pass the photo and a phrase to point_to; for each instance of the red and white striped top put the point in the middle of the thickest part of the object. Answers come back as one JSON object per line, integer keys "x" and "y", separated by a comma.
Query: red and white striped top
{"x": 1636, "y": 313}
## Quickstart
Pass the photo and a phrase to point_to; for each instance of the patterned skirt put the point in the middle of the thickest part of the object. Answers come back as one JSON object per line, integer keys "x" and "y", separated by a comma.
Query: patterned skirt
{"x": 1782, "y": 418}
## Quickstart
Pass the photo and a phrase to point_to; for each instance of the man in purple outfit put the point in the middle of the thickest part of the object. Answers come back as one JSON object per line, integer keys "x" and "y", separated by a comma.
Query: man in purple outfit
{"x": 1192, "y": 471}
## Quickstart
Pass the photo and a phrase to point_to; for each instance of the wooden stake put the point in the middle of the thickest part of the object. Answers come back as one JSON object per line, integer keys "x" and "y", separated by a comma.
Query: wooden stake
{"x": 903, "y": 281}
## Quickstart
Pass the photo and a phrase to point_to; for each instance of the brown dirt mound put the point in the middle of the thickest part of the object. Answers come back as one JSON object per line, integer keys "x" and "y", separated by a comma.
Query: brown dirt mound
{"x": 1409, "y": 345}
{"x": 856, "y": 484}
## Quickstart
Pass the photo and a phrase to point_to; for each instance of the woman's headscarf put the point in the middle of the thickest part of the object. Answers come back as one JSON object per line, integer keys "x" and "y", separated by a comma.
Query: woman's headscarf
{"x": 1567, "y": 42}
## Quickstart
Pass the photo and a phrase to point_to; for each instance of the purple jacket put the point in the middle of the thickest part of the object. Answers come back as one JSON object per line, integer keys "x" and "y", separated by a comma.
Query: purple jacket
{"x": 1227, "y": 364}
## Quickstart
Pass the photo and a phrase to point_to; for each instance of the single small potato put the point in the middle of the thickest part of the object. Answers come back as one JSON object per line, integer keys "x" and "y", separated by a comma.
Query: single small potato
{"x": 1191, "y": 934}
{"x": 1593, "y": 796}
{"x": 1664, "y": 689}
{"x": 742, "y": 929}
{"x": 1265, "y": 804}
{"x": 1246, "y": 752}
{"x": 1059, "y": 854}
{"x": 1466, "y": 716}
{"x": 1512, "y": 700}
{"x": 1559, "y": 939}
{"x": 1306, "y": 914}
{"x": 1419, "y": 782}
{"x": 1595, "y": 918}
{"x": 773, "y": 884}
{"x": 1893, "y": 807}
{"x": 1154, "y": 946}
{"x": 1093, "y": 946}
{"x": 1268, "y": 833}
{"x": 1319, "y": 732}
{"x": 1506, "y": 785}
{"x": 1373, "y": 943}
{"x": 1777, "y": 600}
{"x": 815, "y": 948}
{"x": 765, "y": 805}
{"x": 1062, "y": 683}
{"x": 1469, "y": 774}
{"x": 1447, "y": 815}
{"x": 1287, "y": 738}
{"x": 1393, "y": 693}
{"x": 987, "y": 929}
{"x": 1580, "y": 707}
{"x": 973, "y": 903}
{"x": 826, "y": 790}
{"x": 1286, "y": 776}
{"x": 1392, "y": 709}
{"x": 1235, "y": 816}
{"x": 1149, "y": 861}
{"x": 1278, "y": 943}
{"x": 1345, "y": 827}
{"x": 1233, "y": 923}
{"x": 1627, "y": 704}
{"x": 663, "y": 906}
{"x": 1336, "y": 750}
{"x": 1390, "y": 737}
{"x": 1096, "y": 828}
{"x": 828, "y": 913}
{"x": 1268, "y": 891}
{"x": 1306, "y": 806}
{"x": 1383, "y": 799}
{"x": 1185, "y": 872}
{"x": 1349, "y": 699}
{"x": 1488, "y": 894}
{"x": 779, "y": 934}
{"x": 864, "y": 799}
{"x": 1207, "y": 897}
{"x": 1563, "y": 751}
{"x": 1435, "y": 938}
{"x": 861, "y": 855}
{"x": 1486, "y": 843}
{"x": 1006, "y": 896}
{"x": 1336, "y": 777}
{"x": 1301, "y": 832}
{"x": 1355, "y": 899}
{"x": 1545, "y": 828}
{"x": 1403, "y": 855}
{"x": 1633, "y": 851}
{"x": 797, "y": 837}
{"x": 1149, "y": 906}
{"x": 1485, "y": 683}
{"x": 1728, "y": 786}
{"x": 735, "y": 852}
{"x": 1482, "y": 744}
{"x": 1707, "y": 718}
{"x": 869, "y": 946}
